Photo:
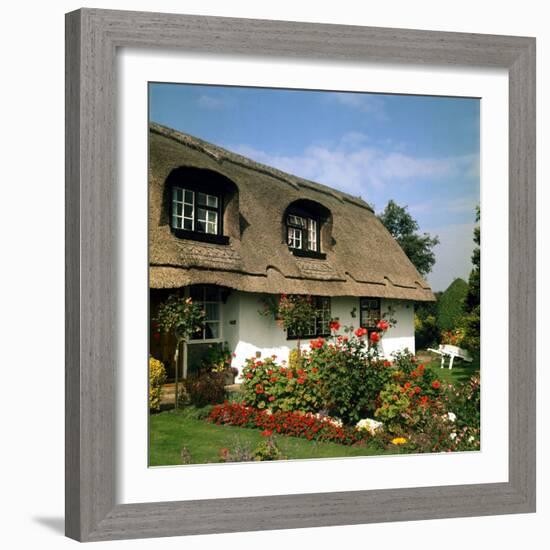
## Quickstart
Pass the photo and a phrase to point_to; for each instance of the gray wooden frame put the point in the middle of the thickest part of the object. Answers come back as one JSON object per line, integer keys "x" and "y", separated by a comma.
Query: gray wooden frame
{"x": 92, "y": 39}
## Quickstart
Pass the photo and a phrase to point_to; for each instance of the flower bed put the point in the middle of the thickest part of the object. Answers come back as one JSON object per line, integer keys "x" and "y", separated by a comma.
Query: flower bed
{"x": 297, "y": 424}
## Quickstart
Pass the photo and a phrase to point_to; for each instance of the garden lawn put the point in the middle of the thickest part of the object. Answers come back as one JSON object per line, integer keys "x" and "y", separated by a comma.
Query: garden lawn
{"x": 169, "y": 432}
{"x": 461, "y": 371}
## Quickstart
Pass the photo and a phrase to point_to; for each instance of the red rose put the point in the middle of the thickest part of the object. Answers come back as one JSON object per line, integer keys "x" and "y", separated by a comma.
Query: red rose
{"x": 421, "y": 368}
{"x": 383, "y": 325}
{"x": 249, "y": 375}
{"x": 436, "y": 384}
{"x": 259, "y": 389}
{"x": 407, "y": 385}
{"x": 334, "y": 325}
{"x": 360, "y": 332}
{"x": 387, "y": 363}
{"x": 290, "y": 375}
{"x": 374, "y": 337}
{"x": 416, "y": 389}
{"x": 271, "y": 398}
{"x": 300, "y": 380}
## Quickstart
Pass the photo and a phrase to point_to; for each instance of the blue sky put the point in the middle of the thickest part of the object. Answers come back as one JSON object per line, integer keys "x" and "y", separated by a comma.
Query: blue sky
{"x": 420, "y": 151}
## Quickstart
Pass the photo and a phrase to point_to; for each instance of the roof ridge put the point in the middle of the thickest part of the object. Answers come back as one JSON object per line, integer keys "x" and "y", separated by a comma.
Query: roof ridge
{"x": 221, "y": 154}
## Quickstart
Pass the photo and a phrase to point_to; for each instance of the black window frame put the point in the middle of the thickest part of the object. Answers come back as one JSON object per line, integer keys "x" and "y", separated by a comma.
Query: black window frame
{"x": 318, "y": 323}
{"x": 362, "y": 322}
{"x": 304, "y": 231}
{"x": 194, "y": 234}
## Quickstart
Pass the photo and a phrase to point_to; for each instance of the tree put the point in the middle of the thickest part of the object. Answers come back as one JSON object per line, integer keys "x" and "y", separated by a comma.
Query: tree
{"x": 470, "y": 322}
{"x": 450, "y": 306}
{"x": 404, "y": 229}
{"x": 473, "y": 295}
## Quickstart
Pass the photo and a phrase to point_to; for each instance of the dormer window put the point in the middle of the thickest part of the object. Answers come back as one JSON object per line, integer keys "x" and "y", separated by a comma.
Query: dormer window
{"x": 303, "y": 221}
{"x": 303, "y": 233}
{"x": 196, "y": 211}
{"x": 197, "y": 203}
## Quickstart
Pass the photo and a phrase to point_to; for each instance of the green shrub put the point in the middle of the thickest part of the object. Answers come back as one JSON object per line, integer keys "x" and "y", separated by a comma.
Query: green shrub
{"x": 426, "y": 333}
{"x": 157, "y": 377}
{"x": 279, "y": 388}
{"x": 206, "y": 389}
{"x": 268, "y": 450}
{"x": 450, "y": 305}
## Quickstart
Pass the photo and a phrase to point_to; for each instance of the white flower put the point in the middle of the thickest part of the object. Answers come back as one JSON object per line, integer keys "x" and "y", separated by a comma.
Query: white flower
{"x": 470, "y": 439}
{"x": 453, "y": 436}
{"x": 369, "y": 425}
{"x": 451, "y": 416}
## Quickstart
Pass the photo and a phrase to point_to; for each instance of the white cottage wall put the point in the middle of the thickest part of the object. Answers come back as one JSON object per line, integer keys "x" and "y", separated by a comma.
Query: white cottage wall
{"x": 247, "y": 332}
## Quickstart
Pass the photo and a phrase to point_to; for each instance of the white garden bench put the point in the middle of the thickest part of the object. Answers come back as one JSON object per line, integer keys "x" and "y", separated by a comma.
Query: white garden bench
{"x": 446, "y": 350}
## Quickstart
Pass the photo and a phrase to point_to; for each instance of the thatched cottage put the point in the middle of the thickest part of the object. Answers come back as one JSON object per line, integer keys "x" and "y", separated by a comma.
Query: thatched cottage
{"x": 229, "y": 231}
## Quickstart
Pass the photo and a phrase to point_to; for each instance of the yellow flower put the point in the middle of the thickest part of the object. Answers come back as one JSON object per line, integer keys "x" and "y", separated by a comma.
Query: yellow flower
{"x": 399, "y": 440}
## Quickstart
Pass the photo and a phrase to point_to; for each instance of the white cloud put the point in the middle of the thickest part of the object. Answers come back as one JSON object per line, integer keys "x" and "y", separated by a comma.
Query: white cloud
{"x": 210, "y": 102}
{"x": 355, "y": 166}
{"x": 365, "y": 103}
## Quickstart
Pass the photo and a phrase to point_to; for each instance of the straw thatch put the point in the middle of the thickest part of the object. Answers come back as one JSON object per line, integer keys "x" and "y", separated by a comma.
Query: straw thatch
{"x": 362, "y": 258}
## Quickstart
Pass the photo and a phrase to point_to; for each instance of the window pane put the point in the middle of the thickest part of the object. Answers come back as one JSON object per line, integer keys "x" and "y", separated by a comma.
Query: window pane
{"x": 212, "y": 200}
{"x": 189, "y": 197}
{"x": 201, "y": 198}
{"x": 188, "y": 224}
{"x": 197, "y": 293}
{"x": 370, "y": 312}
{"x": 212, "y": 311}
{"x": 294, "y": 237}
{"x": 176, "y": 222}
{"x": 212, "y": 330}
{"x": 296, "y": 220}
{"x": 188, "y": 211}
{"x": 212, "y": 216}
{"x": 312, "y": 234}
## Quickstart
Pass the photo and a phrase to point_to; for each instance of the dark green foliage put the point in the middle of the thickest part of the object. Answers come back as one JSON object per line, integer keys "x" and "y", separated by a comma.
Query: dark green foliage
{"x": 404, "y": 229}
{"x": 206, "y": 389}
{"x": 426, "y": 333}
{"x": 470, "y": 322}
{"x": 450, "y": 305}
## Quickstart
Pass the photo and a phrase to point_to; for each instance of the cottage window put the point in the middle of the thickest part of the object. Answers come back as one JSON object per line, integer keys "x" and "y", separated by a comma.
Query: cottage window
{"x": 208, "y": 297}
{"x": 303, "y": 233}
{"x": 196, "y": 211}
{"x": 369, "y": 312}
{"x": 320, "y": 326}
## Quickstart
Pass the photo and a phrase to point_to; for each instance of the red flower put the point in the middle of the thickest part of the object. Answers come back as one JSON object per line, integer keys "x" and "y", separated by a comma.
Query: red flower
{"x": 273, "y": 379}
{"x": 374, "y": 337}
{"x": 360, "y": 332}
{"x": 314, "y": 370}
{"x": 271, "y": 398}
{"x": 249, "y": 375}
{"x": 290, "y": 375}
{"x": 317, "y": 344}
{"x": 424, "y": 400}
{"x": 259, "y": 389}
{"x": 267, "y": 433}
{"x": 421, "y": 368}
{"x": 387, "y": 363}
{"x": 436, "y": 384}
{"x": 407, "y": 385}
{"x": 334, "y": 325}
{"x": 417, "y": 389}
{"x": 300, "y": 380}
{"x": 383, "y": 325}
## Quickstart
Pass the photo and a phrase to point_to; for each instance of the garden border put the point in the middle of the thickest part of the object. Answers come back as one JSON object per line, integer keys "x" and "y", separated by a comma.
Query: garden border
{"x": 92, "y": 39}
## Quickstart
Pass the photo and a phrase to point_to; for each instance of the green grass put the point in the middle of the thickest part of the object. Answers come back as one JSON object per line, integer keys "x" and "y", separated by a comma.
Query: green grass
{"x": 461, "y": 371}
{"x": 169, "y": 432}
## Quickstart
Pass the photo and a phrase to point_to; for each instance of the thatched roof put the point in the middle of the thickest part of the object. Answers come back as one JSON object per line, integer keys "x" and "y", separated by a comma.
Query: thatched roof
{"x": 362, "y": 258}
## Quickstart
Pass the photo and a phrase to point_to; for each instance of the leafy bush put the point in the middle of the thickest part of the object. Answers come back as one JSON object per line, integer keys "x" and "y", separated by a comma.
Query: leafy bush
{"x": 450, "y": 305}
{"x": 350, "y": 374}
{"x": 206, "y": 389}
{"x": 157, "y": 377}
{"x": 268, "y": 450}
{"x": 281, "y": 388}
{"x": 426, "y": 333}
{"x": 470, "y": 324}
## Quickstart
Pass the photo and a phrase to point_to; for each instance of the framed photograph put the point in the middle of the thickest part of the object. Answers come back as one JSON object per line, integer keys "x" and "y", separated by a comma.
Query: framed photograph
{"x": 276, "y": 312}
